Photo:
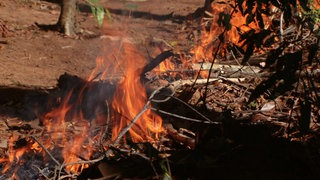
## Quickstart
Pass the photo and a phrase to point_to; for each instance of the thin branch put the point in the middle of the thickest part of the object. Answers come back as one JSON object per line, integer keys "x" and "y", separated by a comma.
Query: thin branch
{"x": 169, "y": 96}
{"x": 236, "y": 59}
{"x": 155, "y": 62}
{"x": 126, "y": 129}
{"x": 107, "y": 123}
{"x": 71, "y": 176}
{"x": 215, "y": 56}
{"x": 281, "y": 26}
{"x": 193, "y": 109}
{"x": 41, "y": 172}
{"x": 80, "y": 162}
{"x": 46, "y": 150}
{"x": 183, "y": 117}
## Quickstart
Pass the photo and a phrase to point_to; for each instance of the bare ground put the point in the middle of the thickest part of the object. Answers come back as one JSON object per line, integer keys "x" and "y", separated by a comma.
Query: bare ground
{"x": 33, "y": 57}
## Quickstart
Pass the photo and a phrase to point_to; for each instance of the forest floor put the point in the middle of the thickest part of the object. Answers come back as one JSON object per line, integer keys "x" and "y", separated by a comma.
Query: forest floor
{"x": 254, "y": 146}
{"x": 34, "y": 57}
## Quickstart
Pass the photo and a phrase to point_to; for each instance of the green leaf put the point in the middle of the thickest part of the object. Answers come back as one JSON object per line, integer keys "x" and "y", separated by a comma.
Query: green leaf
{"x": 253, "y": 105}
{"x": 98, "y": 11}
{"x": 100, "y": 15}
{"x": 166, "y": 176}
{"x": 109, "y": 15}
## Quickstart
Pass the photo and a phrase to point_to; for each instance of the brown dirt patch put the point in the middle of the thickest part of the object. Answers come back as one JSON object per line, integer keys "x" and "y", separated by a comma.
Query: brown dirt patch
{"x": 34, "y": 57}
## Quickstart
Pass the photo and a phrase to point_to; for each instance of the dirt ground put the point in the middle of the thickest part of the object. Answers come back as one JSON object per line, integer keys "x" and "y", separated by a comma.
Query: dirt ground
{"x": 33, "y": 57}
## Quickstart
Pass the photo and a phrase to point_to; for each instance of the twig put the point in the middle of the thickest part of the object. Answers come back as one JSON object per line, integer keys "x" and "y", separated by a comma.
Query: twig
{"x": 234, "y": 82}
{"x": 155, "y": 62}
{"x": 40, "y": 171}
{"x": 168, "y": 165}
{"x": 259, "y": 111}
{"x": 107, "y": 124}
{"x": 215, "y": 56}
{"x": 131, "y": 152}
{"x": 177, "y": 84}
{"x": 46, "y": 150}
{"x": 281, "y": 27}
{"x": 126, "y": 129}
{"x": 169, "y": 96}
{"x": 162, "y": 40}
{"x": 102, "y": 178}
{"x": 118, "y": 63}
{"x": 183, "y": 117}
{"x": 72, "y": 176}
{"x": 80, "y": 162}
{"x": 236, "y": 59}
{"x": 154, "y": 170}
{"x": 186, "y": 140}
{"x": 193, "y": 109}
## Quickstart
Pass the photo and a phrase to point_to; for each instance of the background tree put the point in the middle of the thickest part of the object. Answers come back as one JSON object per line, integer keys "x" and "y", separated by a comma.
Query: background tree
{"x": 67, "y": 23}
{"x": 67, "y": 18}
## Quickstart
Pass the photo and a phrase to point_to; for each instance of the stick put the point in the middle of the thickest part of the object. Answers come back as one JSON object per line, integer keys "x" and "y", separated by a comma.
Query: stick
{"x": 107, "y": 124}
{"x": 281, "y": 26}
{"x": 185, "y": 118}
{"x": 40, "y": 171}
{"x": 46, "y": 150}
{"x": 193, "y": 109}
{"x": 188, "y": 141}
{"x": 80, "y": 162}
{"x": 155, "y": 62}
{"x": 126, "y": 129}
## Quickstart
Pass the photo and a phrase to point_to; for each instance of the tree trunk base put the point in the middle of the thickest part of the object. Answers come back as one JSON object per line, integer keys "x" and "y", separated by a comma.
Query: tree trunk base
{"x": 67, "y": 19}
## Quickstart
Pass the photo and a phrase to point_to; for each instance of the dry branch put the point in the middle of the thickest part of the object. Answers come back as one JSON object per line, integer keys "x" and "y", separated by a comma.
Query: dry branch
{"x": 46, "y": 150}
{"x": 155, "y": 62}
{"x": 187, "y": 141}
{"x": 126, "y": 129}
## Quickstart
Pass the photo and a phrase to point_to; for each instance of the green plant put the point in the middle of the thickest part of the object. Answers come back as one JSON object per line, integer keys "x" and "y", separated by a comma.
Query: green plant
{"x": 98, "y": 11}
{"x": 312, "y": 16}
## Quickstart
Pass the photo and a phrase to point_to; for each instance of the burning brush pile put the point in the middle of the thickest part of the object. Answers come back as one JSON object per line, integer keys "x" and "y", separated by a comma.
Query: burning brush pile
{"x": 243, "y": 102}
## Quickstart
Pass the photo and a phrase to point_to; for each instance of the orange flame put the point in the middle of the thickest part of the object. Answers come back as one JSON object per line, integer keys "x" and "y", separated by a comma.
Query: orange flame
{"x": 130, "y": 98}
{"x": 208, "y": 41}
{"x": 71, "y": 141}
{"x": 14, "y": 155}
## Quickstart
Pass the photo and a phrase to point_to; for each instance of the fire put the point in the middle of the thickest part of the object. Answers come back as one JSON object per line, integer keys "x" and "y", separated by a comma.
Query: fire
{"x": 130, "y": 98}
{"x": 316, "y": 4}
{"x": 222, "y": 20}
{"x": 66, "y": 128}
{"x": 72, "y": 141}
{"x": 14, "y": 155}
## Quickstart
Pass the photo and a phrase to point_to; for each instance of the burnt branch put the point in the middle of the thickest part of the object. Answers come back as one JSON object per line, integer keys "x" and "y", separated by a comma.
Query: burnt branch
{"x": 155, "y": 62}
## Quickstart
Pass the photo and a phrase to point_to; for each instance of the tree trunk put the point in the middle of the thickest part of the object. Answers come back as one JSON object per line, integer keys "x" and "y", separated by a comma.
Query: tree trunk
{"x": 67, "y": 19}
